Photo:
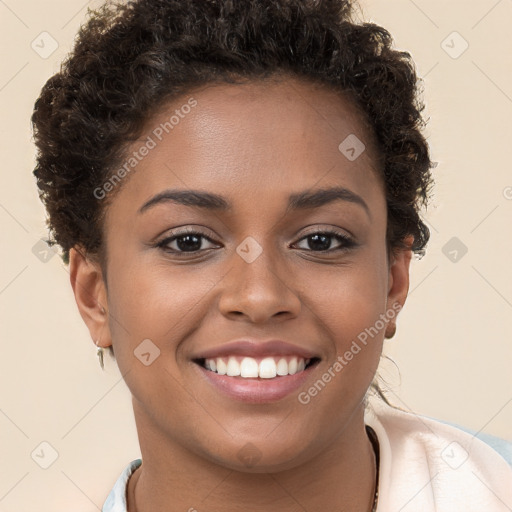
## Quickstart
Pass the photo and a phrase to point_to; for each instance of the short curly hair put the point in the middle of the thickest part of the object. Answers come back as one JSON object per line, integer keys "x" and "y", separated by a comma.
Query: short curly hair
{"x": 131, "y": 58}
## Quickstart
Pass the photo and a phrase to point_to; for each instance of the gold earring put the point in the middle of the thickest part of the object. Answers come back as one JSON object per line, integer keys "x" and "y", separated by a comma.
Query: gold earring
{"x": 99, "y": 353}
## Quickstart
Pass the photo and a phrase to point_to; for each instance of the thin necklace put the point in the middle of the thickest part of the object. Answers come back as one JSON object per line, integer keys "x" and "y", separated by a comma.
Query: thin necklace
{"x": 132, "y": 493}
{"x": 375, "y": 444}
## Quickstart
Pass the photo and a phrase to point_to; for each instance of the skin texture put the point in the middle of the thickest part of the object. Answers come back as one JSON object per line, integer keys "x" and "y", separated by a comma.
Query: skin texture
{"x": 255, "y": 144}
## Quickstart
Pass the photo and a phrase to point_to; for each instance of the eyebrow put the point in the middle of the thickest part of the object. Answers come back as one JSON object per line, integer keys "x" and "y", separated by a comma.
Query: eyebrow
{"x": 300, "y": 201}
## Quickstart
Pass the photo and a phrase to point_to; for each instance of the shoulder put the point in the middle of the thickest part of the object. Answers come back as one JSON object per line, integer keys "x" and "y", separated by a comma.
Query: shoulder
{"x": 427, "y": 464}
{"x": 502, "y": 446}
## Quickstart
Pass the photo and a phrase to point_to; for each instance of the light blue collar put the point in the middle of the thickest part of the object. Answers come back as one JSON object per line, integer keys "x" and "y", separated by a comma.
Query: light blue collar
{"x": 116, "y": 500}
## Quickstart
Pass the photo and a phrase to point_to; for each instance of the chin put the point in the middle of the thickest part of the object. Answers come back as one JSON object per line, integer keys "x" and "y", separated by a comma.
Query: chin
{"x": 260, "y": 456}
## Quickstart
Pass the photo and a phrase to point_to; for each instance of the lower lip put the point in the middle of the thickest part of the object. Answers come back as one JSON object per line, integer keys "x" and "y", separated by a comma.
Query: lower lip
{"x": 257, "y": 390}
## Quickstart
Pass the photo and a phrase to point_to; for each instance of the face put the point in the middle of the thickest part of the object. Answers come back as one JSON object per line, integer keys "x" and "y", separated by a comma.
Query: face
{"x": 267, "y": 260}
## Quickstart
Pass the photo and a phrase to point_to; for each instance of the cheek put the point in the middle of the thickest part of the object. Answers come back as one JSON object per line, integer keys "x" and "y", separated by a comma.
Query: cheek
{"x": 351, "y": 298}
{"x": 155, "y": 301}
{"x": 155, "y": 309}
{"x": 152, "y": 309}
{"x": 348, "y": 310}
{"x": 357, "y": 304}
{"x": 351, "y": 309}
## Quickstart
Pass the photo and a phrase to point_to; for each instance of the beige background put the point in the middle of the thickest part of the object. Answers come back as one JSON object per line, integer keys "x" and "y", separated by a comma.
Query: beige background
{"x": 453, "y": 344}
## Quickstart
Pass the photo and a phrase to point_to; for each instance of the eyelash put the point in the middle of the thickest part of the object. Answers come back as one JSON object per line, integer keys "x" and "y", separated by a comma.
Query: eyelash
{"x": 347, "y": 242}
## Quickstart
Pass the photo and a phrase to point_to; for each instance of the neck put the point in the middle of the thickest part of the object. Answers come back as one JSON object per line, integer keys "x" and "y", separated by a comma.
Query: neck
{"x": 172, "y": 478}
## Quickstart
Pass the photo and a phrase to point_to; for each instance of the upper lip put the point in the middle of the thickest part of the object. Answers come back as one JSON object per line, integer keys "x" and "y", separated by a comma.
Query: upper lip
{"x": 254, "y": 348}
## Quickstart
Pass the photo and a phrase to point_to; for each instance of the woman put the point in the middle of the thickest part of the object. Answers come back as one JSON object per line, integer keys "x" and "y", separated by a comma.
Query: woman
{"x": 236, "y": 187}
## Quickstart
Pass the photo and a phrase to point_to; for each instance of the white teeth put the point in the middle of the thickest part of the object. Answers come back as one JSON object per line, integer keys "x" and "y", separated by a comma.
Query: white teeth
{"x": 268, "y": 368}
{"x": 221, "y": 366}
{"x": 249, "y": 367}
{"x": 233, "y": 369}
{"x": 292, "y": 366}
{"x": 282, "y": 367}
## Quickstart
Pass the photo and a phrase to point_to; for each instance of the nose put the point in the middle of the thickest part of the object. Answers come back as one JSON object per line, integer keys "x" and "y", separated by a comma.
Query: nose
{"x": 259, "y": 290}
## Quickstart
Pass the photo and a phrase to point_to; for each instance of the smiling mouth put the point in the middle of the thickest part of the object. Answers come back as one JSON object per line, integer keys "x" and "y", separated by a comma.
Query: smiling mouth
{"x": 257, "y": 368}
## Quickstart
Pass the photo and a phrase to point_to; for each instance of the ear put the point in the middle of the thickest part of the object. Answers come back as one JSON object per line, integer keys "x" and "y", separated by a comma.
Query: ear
{"x": 398, "y": 287}
{"x": 90, "y": 292}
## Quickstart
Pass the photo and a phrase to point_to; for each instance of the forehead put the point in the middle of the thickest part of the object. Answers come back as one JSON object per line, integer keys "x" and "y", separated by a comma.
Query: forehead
{"x": 252, "y": 138}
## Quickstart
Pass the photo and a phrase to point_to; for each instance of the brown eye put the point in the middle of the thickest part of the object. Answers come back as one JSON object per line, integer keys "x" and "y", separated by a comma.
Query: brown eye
{"x": 321, "y": 241}
{"x": 185, "y": 242}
